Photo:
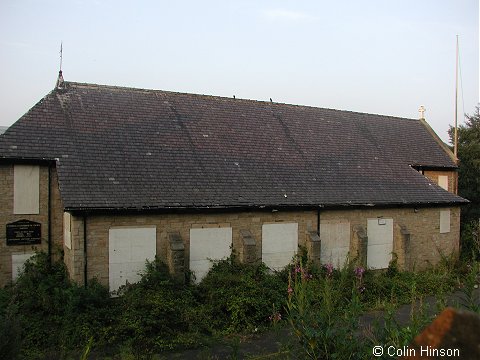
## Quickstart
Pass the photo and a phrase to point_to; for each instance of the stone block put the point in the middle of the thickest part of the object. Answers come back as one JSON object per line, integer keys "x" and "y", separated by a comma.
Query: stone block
{"x": 176, "y": 256}
{"x": 314, "y": 247}
{"x": 361, "y": 239}
{"x": 249, "y": 253}
{"x": 405, "y": 239}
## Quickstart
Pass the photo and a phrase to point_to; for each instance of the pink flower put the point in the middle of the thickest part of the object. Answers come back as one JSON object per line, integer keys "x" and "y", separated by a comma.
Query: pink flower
{"x": 276, "y": 317}
{"x": 307, "y": 276}
{"x": 290, "y": 290}
{"x": 329, "y": 268}
{"x": 359, "y": 272}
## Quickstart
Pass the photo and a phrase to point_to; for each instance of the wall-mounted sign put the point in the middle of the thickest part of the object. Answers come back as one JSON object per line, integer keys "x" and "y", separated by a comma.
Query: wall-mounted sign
{"x": 24, "y": 232}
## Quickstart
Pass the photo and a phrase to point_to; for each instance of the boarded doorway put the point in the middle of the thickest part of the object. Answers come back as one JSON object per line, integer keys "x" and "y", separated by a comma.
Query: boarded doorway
{"x": 335, "y": 236}
{"x": 279, "y": 244}
{"x": 380, "y": 242}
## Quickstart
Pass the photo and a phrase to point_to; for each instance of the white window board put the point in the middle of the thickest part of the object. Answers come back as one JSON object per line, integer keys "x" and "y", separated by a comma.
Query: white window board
{"x": 26, "y": 189}
{"x": 443, "y": 181}
{"x": 18, "y": 261}
{"x": 279, "y": 244}
{"x": 444, "y": 221}
{"x": 67, "y": 230}
{"x": 207, "y": 245}
{"x": 128, "y": 249}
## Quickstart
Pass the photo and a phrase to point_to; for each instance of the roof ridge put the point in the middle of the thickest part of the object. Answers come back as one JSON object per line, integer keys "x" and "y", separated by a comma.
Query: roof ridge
{"x": 129, "y": 88}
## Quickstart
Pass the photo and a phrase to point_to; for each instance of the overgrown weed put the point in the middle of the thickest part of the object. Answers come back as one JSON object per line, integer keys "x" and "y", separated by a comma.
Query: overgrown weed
{"x": 44, "y": 314}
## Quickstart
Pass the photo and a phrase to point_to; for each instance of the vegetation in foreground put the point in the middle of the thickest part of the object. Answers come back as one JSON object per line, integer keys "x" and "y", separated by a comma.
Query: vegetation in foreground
{"x": 44, "y": 315}
{"x": 324, "y": 311}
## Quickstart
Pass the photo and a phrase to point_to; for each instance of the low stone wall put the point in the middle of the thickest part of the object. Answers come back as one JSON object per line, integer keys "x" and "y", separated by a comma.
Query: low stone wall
{"x": 417, "y": 241}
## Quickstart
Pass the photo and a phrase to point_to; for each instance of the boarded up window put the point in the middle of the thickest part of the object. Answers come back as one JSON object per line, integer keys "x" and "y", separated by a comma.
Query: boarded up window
{"x": 128, "y": 249}
{"x": 67, "y": 230}
{"x": 18, "y": 261}
{"x": 335, "y": 240}
{"x": 208, "y": 244}
{"x": 279, "y": 244}
{"x": 443, "y": 181}
{"x": 380, "y": 242}
{"x": 444, "y": 221}
{"x": 26, "y": 189}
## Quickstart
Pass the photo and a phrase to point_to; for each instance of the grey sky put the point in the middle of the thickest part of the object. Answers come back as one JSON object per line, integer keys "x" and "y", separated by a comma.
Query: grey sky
{"x": 386, "y": 57}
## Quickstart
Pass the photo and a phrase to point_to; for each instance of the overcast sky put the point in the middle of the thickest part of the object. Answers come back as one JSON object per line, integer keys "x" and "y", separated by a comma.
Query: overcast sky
{"x": 374, "y": 56}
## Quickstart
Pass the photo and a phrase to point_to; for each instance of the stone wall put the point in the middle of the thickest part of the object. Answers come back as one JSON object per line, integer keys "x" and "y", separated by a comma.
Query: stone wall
{"x": 74, "y": 256}
{"x": 180, "y": 224}
{"x": 452, "y": 178}
{"x": 7, "y": 216}
{"x": 417, "y": 241}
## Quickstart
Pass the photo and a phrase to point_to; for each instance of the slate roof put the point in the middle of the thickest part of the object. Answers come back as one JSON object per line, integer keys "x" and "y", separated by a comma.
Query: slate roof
{"x": 124, "y": 148}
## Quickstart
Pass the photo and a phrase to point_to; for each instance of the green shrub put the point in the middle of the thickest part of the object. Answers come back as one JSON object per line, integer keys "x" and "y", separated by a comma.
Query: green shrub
{"x": 45, "y": 315}
{"x": 54, "y": 314}
{"x": 88, "y": 315}
{"x": 10, "y": 335}
{"x": 156, "y": 313}
{"x": 470, "y": 240}
{"x": 238, "y": 297}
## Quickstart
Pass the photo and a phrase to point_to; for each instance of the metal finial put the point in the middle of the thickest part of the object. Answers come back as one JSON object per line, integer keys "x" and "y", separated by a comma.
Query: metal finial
{"x": 60, "y": 82}
{"x": 61, "y": 55}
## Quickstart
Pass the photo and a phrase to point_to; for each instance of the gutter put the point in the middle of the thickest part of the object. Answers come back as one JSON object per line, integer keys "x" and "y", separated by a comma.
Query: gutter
{"x": 423, "y": 168}
{"x": 302, "y": 207}
{"x": 26, "y": 160}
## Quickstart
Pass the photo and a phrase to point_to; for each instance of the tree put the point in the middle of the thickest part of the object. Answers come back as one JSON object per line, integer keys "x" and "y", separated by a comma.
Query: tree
{"x": 469, "y": 172}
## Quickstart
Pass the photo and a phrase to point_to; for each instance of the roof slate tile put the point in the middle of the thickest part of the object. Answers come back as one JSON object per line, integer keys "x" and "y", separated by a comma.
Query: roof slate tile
{"x": 135, "y": 148}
